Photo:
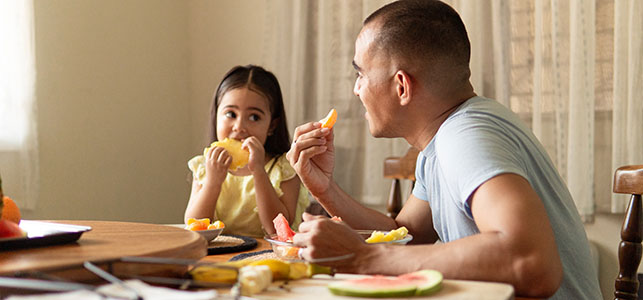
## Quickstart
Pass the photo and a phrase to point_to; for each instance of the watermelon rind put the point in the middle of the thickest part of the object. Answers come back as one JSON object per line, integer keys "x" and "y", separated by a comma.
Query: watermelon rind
{"x": 420, "y": 283}
{"x": 432, "y": 283}
{"x": 346, "y": 288}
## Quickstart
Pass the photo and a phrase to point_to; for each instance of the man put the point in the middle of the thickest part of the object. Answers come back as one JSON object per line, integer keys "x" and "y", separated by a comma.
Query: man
{"x": 485, "y": 186}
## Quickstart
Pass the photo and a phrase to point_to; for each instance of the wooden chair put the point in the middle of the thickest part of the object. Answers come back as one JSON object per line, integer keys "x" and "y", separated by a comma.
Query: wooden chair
{"x": 399, "y": 168}
{"x": 629, "y": 180}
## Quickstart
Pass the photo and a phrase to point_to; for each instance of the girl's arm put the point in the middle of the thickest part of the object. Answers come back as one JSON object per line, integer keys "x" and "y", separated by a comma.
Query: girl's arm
{"x": 270, "y": 205}
{"x": 203, "y": 198}
{"x": 203, "y": 201}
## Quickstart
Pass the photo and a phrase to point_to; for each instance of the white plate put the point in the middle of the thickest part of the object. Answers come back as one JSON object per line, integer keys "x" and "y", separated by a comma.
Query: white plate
{"x": 209, "y": 234}
{"x": 43, "y": 234}
{"x": 404, "y": 241}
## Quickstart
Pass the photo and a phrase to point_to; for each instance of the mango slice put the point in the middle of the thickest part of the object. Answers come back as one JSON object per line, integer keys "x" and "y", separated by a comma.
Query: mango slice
{"x": 393, "y": 235}
{"x": 329, "y": 120}
{"x": 239, "y": 156}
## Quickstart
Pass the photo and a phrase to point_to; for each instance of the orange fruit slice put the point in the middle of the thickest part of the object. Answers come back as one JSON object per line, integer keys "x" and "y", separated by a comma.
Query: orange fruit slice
{"x": 197, "y": 224}
{"x": 10, "y": 210}
{"x": 329, "y": 120}
{"x": 216, "y": 225}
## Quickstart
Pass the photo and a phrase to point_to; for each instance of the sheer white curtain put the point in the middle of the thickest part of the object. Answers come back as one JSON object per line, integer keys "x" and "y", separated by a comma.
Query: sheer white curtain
{"x": 18, "y": 130}
{"x": 570, "y": 69}
{"x": 310, "y": 46}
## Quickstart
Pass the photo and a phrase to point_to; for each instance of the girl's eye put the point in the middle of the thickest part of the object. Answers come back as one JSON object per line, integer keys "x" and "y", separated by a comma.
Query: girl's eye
{"x": 230, "y": 114}
{"x": 254, "y": 117}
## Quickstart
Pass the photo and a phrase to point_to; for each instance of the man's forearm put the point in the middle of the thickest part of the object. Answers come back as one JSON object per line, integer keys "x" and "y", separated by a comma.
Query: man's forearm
{"x": 483, "y": 257}
{"x": 339, "y": 203}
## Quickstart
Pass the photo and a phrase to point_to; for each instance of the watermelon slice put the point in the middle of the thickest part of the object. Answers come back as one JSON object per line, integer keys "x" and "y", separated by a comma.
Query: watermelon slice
{"x": 284, "y": 233}
{"x": 427, "y": 281}
{"x": 420, "y": 283}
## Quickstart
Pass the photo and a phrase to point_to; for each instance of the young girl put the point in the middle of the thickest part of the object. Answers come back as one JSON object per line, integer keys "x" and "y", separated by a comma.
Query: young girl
{"x": 248, "y": 107}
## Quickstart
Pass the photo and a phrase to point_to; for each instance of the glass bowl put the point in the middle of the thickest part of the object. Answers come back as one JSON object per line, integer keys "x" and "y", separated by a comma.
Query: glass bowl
{"x": 283, "y": 250}
{"x": 288, "y": 251}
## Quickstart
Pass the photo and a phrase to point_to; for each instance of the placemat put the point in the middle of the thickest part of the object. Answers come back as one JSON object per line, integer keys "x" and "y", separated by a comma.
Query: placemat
{"x": 263, "y": 254}
{"x": 231, "y": 243}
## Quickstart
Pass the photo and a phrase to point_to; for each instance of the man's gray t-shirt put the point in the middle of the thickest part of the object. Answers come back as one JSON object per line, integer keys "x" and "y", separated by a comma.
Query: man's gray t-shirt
{"x": 483, "y": 139}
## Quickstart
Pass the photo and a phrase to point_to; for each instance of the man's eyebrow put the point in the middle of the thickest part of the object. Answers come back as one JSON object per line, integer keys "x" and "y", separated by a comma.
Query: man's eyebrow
{"x": 355, "y": 66}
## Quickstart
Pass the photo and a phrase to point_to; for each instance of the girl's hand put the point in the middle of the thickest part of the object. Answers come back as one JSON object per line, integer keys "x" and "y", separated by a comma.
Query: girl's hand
{"x": 257, "y": 158}
{"x": 217, "y": 162}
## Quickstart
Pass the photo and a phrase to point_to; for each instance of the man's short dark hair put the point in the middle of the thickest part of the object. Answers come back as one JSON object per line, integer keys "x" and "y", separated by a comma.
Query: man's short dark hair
{"x": 421, "y": 29}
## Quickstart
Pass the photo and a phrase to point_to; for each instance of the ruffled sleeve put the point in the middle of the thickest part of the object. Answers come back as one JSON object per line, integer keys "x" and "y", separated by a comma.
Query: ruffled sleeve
{"x": 281, "y": 171}
{"x": 197, "y": 166}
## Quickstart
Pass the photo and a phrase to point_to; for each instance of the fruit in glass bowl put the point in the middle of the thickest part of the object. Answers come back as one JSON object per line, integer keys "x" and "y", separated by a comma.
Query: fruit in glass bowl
{"x": 283, "y": 249}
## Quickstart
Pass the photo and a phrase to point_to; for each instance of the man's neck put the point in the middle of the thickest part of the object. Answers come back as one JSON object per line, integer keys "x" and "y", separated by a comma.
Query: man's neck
{"x": 433, "y": 114}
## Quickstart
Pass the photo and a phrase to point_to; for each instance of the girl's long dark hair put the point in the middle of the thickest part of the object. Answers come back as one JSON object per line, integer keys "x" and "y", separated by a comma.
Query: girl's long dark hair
{"x": 263, "y": 82}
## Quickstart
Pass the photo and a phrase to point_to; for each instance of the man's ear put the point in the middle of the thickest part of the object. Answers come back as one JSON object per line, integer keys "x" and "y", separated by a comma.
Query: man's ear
{"x": 403, "y": 86}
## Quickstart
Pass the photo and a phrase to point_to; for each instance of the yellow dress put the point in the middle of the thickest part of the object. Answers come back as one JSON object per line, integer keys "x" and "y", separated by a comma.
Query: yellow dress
{"x": 237, "y": 207}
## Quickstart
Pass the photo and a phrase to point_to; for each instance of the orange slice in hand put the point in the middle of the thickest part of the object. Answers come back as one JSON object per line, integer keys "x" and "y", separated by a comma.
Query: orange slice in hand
{"x": 329, "y": 120}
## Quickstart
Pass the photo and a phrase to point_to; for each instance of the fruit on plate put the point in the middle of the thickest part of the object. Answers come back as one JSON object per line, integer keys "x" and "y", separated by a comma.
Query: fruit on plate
{"x": 427, "y": 281}
{"x": 202, "y": 224}
{"x": 329, "y": 120}
{"x": 9, "y": 229}
{"x": 284, "y": 232}
{"x": 254, "y": 279}
{"x": 300, "y": 270}
{"x": 420, "y": 283}
{"x": 239, "y": 156}
{"x": 393, "y": 235}
{"x": 283, "y": 270}
{"x": 280, "y": 270}
{"x": 8, "y": 208}
{"x": 220, "y": 273}
{"x": 216, "y": 225}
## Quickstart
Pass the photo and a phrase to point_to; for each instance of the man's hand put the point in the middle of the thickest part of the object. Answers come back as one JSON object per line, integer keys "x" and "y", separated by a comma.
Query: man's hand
{"x": 323, "y": 238}
{"x": 312, "y": 155}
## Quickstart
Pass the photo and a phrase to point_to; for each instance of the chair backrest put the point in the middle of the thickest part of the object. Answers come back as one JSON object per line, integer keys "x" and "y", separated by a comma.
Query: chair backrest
{"x": 399, "y": 168}
{"x": 629, "y": 180}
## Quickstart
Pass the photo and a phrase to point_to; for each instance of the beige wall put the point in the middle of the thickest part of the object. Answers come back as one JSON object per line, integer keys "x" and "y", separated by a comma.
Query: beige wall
{"x": 223, "y": 34}
{"x": 123, "y": 90}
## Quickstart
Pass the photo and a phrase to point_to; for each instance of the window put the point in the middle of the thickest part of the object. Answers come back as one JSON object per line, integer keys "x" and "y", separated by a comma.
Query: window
{"x": 18, "y": 136}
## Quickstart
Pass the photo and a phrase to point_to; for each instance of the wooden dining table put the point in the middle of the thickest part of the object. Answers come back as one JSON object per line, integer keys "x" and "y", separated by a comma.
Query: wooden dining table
{"x": 109, "y": 240}
{"x": 316, "y": 287}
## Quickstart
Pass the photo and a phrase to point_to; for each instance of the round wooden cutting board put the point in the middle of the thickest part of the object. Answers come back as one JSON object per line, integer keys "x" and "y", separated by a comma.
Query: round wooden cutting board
{"x": 107, "y": 240}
